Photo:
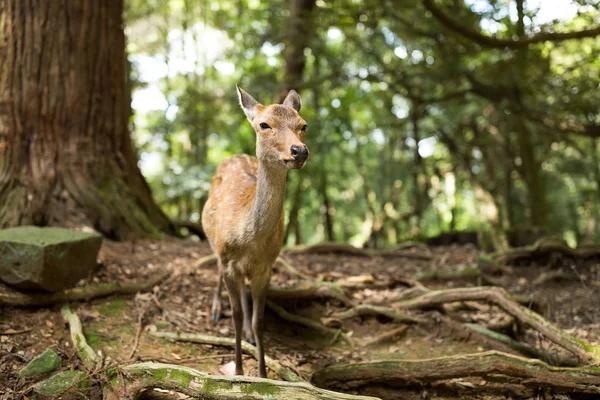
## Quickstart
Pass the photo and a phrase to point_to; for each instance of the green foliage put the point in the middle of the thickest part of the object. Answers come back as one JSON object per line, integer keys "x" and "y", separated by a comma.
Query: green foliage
{"x": 414, "y": 128}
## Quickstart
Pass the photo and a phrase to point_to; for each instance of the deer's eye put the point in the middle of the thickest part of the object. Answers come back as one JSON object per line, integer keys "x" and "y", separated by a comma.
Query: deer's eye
{"x": 304, "y": 128}
{"x": 264, "y": 125}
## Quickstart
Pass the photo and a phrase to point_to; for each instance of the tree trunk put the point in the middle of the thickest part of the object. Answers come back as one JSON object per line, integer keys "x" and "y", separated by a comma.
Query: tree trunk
{"x": 298, "y": 35}
{"x": 68, "y": 158}
{"x": 596, "y": 163}
{"x": 293, "y": 218}
{"x": 531, "y": 166}
{"x": 420, "y": 191}
{"x": 330, "y": 237}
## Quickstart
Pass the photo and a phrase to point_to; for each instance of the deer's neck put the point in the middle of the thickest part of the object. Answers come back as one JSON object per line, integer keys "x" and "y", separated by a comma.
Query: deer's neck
{"x": 266, "y": 209}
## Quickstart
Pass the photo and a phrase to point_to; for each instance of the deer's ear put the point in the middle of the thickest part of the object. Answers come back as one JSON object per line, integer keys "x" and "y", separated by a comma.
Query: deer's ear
{"x": 249, "y": 105}
{"x": 293, "y": 100}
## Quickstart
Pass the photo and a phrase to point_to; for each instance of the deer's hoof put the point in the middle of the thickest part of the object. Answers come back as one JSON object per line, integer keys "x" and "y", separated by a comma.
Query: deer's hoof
{"x": 215, "y": 316}
{"x": 251, "y": 341}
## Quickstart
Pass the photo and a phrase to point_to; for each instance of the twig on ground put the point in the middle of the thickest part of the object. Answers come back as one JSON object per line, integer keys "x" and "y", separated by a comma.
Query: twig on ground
{"x": 387, "y": 336}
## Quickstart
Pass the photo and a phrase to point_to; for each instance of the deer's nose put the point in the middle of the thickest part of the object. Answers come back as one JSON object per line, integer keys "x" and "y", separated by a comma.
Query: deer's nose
{"x": 299, "y": 153}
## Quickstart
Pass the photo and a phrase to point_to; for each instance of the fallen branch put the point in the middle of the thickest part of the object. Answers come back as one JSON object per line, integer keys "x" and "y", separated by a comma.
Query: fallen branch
{"x": 137, "y": 378}
{"x": 498, "y": 296}
{"x": 490, "y": 365}
{"x": 247, "y": 348}
{"x": 14, "y": 298}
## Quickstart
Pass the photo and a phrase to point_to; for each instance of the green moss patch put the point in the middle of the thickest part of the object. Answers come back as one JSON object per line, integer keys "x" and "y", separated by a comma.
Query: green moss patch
{"x": 58, "y": 383}
{"x": 261, "y": 388}
{"x": 114, "y": 308}
{"x": 48, "y": 361}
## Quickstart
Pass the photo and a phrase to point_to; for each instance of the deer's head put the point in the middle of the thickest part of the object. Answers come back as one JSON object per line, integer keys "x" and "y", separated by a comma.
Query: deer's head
{"x": 279, "y": 130}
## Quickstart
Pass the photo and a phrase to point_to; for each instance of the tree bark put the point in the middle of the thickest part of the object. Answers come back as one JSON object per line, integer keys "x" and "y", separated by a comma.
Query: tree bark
{"x": 489, "y": 365}
{"x": 68, "y": 158}
{"x": 292, "y": 224}
{"x": 298, "y": 35}
{"x": 532, "y": 167}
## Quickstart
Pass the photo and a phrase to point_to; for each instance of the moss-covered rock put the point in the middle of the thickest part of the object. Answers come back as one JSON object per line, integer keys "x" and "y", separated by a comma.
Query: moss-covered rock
{"x": 50, "y": 259}
{"x": 58, "y": 383}
{"x": 48, "y": 361}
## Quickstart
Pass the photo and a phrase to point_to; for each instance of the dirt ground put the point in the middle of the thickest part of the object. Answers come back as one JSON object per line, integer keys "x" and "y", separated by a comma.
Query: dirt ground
{"x": 182, "y": 304}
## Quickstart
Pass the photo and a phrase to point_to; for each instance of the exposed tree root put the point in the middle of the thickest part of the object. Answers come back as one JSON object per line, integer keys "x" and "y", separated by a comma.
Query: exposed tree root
{"x": 84, "y": 351}
{"x": 310, "y": 323}
{"x": 273, "y": 365}
{"x": 490, "y": 365}
{"x": 137, "y": 378}
{"x": 368, "y": 309}
{"x": 498, "y": 296}
{"x": 129, "y": 382}
{"x": 525, "y": 349}
{"x": 205, "y": 261}
{"x": 401, "y": 254}
{"x": 63, "y": 381}
{"x": 443, "y": 275}
{"x": 14, "y": 298}
{"x": 310, "y": 290}
{"x": 544, "y": 248}
{"x": 328, "y": 248}
{"x": 291, "y": 270}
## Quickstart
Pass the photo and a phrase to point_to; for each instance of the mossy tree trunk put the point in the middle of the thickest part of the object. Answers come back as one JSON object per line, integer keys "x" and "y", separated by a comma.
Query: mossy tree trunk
{"x": 68, "y": 157}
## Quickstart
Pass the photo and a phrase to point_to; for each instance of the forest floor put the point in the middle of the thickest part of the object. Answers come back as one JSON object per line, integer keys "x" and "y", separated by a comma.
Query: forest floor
{"x": 182, "y": 304}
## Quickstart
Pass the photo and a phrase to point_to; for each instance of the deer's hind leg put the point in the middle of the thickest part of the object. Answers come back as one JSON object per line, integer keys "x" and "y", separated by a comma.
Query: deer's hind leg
{"x": 217, "y": 305}
{"x": 260, "y": 286}
{"x": 245, "y": 298}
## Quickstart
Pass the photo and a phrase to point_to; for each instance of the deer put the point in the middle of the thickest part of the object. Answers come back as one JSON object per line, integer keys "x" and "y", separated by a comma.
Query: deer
{"x": 243, "y": 216}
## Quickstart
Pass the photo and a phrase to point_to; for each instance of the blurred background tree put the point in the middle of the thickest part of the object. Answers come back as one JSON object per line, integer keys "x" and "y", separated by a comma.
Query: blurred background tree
{"x": 428, "y": 117}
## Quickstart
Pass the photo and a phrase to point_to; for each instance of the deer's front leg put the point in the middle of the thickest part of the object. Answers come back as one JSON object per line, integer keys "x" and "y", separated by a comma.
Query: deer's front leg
{"x": 260, "y": 286}
{"x": 234, "y": 284}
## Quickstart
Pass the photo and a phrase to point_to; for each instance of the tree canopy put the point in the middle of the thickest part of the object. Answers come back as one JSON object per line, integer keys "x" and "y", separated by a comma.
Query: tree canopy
{"x": 434, "y": 116}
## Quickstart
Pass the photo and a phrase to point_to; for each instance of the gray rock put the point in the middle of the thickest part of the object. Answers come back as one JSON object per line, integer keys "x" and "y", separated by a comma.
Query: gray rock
{"x": 50, "y": 259}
